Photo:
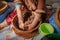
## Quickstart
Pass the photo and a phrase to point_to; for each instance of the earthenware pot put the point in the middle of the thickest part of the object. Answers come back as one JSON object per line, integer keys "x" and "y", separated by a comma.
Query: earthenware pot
{"x": 25, "y": 34}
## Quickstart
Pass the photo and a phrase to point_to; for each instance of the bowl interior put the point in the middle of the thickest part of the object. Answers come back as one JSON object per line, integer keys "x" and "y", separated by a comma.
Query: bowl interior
{"x": 15, "y": 24}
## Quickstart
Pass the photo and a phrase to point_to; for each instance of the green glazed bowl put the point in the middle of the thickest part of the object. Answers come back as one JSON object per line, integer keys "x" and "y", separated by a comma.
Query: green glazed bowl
{"x": 46, "y": 29}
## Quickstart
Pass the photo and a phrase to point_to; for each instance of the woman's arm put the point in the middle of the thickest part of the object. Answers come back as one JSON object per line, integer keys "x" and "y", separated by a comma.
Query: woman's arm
{"x": 41, "y": 4}
{"x": 19, "y": 9}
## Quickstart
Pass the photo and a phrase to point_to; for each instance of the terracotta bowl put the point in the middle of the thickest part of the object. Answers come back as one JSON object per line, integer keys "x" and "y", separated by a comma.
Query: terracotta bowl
{"x": 57, "y": 17}
{"x": 4, "y": 6}
{"x": 25, "y": 34}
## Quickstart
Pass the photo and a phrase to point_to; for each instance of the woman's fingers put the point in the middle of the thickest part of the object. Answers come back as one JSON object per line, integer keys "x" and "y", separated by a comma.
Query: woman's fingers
{"x": 36, "y": 19}
{"x": 30, "y": 4}
{"x": 27, "y": 23}
{"x": 30, "y": 26}
{"x": 33, "y": 21}
{"x": 27, "y": 4}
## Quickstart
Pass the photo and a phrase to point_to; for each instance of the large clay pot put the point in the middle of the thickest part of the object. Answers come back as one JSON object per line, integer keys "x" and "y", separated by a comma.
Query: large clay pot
{"x": 25, "y": 34}
{"x": 3, "y": 6}
{"x": 57, "y": 17}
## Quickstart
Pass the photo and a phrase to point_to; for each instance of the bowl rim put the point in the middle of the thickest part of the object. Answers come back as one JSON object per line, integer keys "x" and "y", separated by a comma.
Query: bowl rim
{"x": 56, "y": 18}
{"x": 4, "y": 6}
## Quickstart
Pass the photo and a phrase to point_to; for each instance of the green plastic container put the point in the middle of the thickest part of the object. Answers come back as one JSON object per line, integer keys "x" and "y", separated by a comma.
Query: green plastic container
{"x": 46, "y": 29}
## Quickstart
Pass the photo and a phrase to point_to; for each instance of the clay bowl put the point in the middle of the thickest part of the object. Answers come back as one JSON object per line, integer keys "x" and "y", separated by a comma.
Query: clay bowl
{"x": 57, "y": 17}
{"x": 25, "y": 34}
{"x": 3, "y": 6}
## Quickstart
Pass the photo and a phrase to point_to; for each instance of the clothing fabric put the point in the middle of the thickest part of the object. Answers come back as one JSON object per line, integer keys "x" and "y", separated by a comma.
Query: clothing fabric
{"x": 10, "y": 17}
{"x": 52, "y": 22}
{"x": 4, "y": 15}
{"x": 9, "y": 0}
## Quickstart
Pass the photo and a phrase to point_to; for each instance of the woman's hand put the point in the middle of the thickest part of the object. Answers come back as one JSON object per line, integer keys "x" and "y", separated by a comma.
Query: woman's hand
{"x": 30, "y": 24}
{"x": 37, "y": 17}
{"x": 30, "y": 4}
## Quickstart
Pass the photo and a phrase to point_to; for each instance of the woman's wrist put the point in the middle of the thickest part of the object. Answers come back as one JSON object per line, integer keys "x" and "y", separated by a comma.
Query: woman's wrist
{"x": 17, "y": 4}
